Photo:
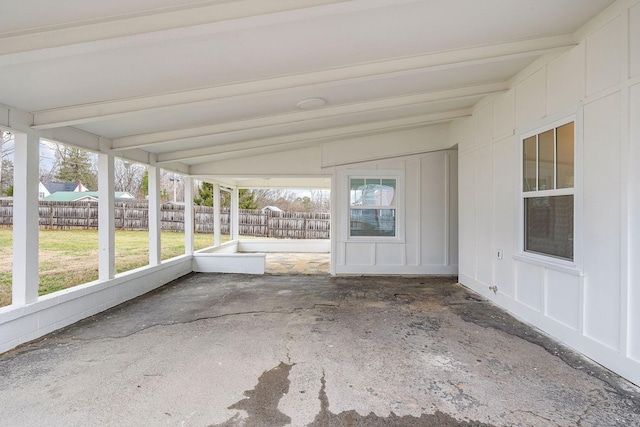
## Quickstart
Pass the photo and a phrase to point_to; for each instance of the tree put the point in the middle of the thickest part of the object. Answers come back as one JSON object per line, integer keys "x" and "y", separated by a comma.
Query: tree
{"x": 205, "y": 195}
{"x": 128, "y": 177}
{"x": 246, "y": 199}
{"x": 6, "y": 148}
{"x": 6, "y": 183}
{"x": 76, "y": 165}
{"x": 144, "y": 184}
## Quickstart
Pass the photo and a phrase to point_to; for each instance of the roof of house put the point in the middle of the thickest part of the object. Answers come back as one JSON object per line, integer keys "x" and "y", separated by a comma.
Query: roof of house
{"x": 272, "y": 208}
{"x": 70, "y": 196}
{"x": 74, "y": 196}
{"x": 55, "y": 187}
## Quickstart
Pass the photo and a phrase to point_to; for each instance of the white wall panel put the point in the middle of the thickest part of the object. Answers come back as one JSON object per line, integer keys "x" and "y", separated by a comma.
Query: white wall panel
{"x": 453, "y": 208}
{"x": 360, "y": 254}
{"x": 581, "y": 305}
{"x": 603, "y": 57}
{"x": 433, "y": 209}
{"x": 466, "y": 215}
{"x": 566, "y": 79}
{"x": 602, "y": 188}
{"x": 529, "y": 285}
{"x": 382, "y": 146}
{"x": 463, "y": 135}
{"x": 504, "y": 207}
{"x": 504, "y": 114}
{"x": 562, "y": 298}
{"x": 389, "y": 254}
{"x": 530, "y": 98}
{"x": 634, "y": 41}
{"x": 484, "y": 212}
{"x": 413, "y": 216}
{"x": 424, "y": 245}
{"x": 483, "y": 117}
{"x": 634, "y": 227}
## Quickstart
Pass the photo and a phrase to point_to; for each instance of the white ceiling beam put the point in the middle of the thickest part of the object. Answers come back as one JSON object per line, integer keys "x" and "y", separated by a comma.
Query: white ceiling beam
{"x": 149, "y": 21}
{"x": 287, "y": 142}
{"x": 145, "y": 140}
{"x": 442, "y": 60}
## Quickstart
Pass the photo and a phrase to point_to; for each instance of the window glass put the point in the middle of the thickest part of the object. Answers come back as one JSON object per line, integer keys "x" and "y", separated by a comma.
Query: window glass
{"x": 373, "y": 222}
{"x": 565, "y": 156}
{"x": 549, "y": 226}
{"x": 529, "y": 163}
{"x": 372, "y": 211}
{"x": 355, "y": 196}
{"x": 546, "y": 160}
{"x": 548, "y": 166}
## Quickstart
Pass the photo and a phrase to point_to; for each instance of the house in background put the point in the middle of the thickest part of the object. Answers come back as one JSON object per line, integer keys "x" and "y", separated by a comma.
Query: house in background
{"x": 76, "y": 196}
{"x": 48, "y": 188}
{"x": 505, "y": 133}
{"x": 271, "y": 209}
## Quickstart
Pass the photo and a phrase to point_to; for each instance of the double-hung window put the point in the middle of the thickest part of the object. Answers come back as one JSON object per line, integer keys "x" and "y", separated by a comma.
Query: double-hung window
{"x": 548, "y": 174}
{"x": 373, "y": 206}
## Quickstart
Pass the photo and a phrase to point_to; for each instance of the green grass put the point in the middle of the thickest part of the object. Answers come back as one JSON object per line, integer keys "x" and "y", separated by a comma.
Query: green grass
{"x": 70, "y": 257}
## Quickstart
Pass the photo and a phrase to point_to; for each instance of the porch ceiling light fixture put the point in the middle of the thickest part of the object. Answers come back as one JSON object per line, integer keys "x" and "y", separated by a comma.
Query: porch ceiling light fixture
{"x": 312, "y": 103}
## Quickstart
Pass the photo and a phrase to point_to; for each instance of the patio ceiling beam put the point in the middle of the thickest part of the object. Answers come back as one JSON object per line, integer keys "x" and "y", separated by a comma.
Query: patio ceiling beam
{"x": 145, "y": 140}
{"x": 106, "y": 32}
{"x": 288, "y": 142}
{"x": 86, "y": 113}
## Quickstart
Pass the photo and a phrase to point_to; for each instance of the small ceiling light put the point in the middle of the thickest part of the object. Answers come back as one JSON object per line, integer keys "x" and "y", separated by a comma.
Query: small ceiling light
{"x": 311, "y": 103}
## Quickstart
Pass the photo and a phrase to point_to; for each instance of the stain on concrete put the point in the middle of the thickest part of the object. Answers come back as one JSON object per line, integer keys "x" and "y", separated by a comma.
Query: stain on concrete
{"x": 261, "y": 406}
{"x": 352, "y": 419}
{"x": 261, "y": 403}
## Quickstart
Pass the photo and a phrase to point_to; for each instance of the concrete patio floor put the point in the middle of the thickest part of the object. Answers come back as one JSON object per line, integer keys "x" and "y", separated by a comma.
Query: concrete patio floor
{"x": 239, "y": 350}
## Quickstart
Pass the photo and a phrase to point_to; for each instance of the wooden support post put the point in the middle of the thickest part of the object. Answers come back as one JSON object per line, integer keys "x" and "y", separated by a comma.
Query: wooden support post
{"x": 155, "y": 255}
{"x": 25, "y": 218}
{"x": 106, "y": 217}
{"x": 189, "y": 217}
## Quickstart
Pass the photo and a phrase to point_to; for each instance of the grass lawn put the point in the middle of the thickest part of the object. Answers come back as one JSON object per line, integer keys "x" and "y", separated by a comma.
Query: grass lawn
{"x": 70, "y": 257}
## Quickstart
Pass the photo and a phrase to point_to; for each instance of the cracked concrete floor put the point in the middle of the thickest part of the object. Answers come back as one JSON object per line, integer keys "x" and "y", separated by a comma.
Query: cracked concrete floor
{"x": 237, "y": 350}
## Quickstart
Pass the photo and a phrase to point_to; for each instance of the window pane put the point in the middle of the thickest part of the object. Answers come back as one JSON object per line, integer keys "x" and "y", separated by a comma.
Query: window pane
{"x": 373, "y": 222}
{"x": 546, "y": 160}
{"x": 565, "y": 156}
{"x": 529, "y": 154}
{"x": 388, "y": 192}
{"x": 371, "y": 192}
{"x": 549, "y": 226}
{"x": 355, "y": 194}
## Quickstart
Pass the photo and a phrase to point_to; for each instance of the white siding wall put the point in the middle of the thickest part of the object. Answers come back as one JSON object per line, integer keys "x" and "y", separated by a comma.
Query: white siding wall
{"x": 594, "y": 307}
{"x": 429, "y": 242}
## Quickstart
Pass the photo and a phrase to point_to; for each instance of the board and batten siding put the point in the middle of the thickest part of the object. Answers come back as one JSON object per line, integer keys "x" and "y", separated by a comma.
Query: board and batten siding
{"x": 428, "y": 240}
{"x": 594, "y": 306}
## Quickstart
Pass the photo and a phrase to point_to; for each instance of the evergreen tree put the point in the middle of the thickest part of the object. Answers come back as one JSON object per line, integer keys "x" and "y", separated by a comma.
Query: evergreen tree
{"x": 144, "y": 184}
{"x": 247, "y": 199}
{"x": 76, "y": 165}
{"x": 205, "y": 195}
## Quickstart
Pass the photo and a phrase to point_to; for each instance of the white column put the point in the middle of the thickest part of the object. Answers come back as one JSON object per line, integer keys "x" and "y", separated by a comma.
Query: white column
{"x": 106, "y": 218}
{"x": 155, "y": 256}
{"x": 235, "y": 214}
{"x": 188, "y": 215}
{"x": 25, "y": 218}
{"x": 216, "y": 215}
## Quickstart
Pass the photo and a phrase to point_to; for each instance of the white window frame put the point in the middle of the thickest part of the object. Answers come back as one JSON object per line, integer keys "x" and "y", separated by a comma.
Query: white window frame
{"x": 575, "y": 266}
{"x": 396, "y": 174}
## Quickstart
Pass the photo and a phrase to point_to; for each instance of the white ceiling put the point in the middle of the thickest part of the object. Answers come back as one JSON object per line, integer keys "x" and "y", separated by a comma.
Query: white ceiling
{"x": 206, "y": 78}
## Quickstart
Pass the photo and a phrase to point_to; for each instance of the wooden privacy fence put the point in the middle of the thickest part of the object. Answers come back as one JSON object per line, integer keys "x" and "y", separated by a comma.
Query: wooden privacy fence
{"x": 135, "y": 216}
